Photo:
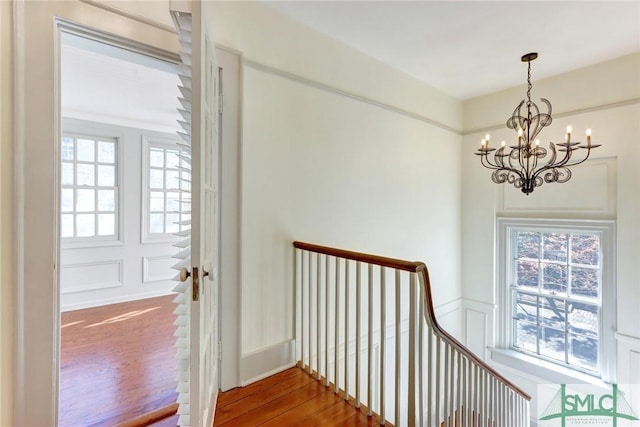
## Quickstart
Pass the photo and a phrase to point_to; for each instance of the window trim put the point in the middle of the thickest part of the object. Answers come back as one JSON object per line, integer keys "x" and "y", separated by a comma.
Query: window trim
{"x": 148, "y": 142}
{"x": 503, "y": 266}
{"x": 98, "y": 241}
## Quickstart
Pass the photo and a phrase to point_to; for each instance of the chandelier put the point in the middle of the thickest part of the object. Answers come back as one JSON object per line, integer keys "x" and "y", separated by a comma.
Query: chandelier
{"x": 528, "y": 165}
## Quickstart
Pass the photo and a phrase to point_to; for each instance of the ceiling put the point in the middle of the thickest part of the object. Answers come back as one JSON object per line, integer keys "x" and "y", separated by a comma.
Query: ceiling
{"x": 111, "y": 85}
{"x": 463, "y": 48}
{"x": 471, "y": 48}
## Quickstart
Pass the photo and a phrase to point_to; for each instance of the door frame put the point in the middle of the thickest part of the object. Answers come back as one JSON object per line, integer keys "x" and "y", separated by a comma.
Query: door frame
{"x": 37, "y": 306}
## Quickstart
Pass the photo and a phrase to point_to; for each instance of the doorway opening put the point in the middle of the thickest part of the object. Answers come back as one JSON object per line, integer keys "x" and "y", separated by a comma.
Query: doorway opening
{"x": 119, "y": 213}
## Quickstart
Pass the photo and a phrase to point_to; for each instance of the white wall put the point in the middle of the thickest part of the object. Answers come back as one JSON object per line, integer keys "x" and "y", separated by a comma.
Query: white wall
{"x": 320, "y": 166}
{"x": 6, "y": 213}
{"x": 97, "y": 275}
{"x": 605, "y": 98}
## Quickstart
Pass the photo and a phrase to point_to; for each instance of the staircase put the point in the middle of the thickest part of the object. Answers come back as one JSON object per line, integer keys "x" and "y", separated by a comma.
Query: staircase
{"x": 366, "y": 329}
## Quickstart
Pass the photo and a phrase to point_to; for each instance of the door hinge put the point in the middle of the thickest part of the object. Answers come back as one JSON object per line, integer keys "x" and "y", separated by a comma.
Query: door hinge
{"x": 195, "y": 279}
{"x": 220, "y": 103}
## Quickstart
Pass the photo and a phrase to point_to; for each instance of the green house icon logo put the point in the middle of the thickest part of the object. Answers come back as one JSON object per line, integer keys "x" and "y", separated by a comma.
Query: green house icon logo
{"x": 588, "y": 406}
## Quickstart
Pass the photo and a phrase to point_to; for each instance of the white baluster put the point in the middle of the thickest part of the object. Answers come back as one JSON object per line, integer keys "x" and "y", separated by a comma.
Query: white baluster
{"x": 318, "y": 319}
{"x": 346, "y": 329}
{"x": 326, "y": 321}
{"x": 398, "y": 364}
{"x": 336, "y": 347}
{"x": 310, "y": 310}
{"x": 421, "y": 323}
{"x": 358, "y": 307}
{"x": 370, "y": 343}
{"x": 411, "y": 414}
{"x": 383, "y": 344}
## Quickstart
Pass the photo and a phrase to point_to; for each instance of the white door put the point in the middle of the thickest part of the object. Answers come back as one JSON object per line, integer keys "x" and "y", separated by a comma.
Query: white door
{"x": 38, "y": 26}
{"x": 199, "y": 89}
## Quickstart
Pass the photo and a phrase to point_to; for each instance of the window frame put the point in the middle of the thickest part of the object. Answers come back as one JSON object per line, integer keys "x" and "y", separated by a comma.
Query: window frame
{"x": 505, "y": 266}
{"x": 79, "y": 242}
{"x": 149, "y": 142}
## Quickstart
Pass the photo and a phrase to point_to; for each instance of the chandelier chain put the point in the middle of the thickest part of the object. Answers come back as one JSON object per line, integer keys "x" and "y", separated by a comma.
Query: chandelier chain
{"x": 529, "y": 86}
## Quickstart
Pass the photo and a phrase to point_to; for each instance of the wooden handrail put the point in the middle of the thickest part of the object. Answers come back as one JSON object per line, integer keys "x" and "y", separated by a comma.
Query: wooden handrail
{"x": 413, "y": 267}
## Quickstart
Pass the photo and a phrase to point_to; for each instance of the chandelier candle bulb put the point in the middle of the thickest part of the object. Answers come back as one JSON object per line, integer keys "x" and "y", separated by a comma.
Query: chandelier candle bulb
{"x": 528, "y": 165}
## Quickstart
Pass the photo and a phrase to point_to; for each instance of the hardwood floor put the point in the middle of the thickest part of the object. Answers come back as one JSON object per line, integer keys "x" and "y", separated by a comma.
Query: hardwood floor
{"x": 117, "y": 362}
{"x": 290, "y": 398}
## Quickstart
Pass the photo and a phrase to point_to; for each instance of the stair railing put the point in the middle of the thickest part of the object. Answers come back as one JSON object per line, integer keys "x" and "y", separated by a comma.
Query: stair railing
{"x": 366, "y": 327}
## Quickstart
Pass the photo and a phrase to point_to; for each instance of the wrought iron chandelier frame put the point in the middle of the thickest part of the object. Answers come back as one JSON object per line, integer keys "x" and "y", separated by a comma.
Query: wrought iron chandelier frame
{"x": 527, "y": 165}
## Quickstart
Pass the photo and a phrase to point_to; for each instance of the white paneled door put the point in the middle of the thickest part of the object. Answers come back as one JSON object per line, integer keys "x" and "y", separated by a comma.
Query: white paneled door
{"x": 199, "y": 98}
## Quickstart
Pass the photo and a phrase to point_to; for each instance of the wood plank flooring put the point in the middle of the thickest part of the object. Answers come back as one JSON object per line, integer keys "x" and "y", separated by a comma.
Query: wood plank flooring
{"x": 117, "y": 362}
{"x": 290, "y": 398}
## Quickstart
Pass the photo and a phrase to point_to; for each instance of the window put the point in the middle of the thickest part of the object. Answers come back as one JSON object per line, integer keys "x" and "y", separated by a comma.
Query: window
{"x": 89, "y": 188}
{"x": 166, "y": 189}
{"x": 558, "y": 292}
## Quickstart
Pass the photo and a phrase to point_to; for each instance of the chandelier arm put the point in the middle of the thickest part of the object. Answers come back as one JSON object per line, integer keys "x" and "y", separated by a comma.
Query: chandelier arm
{"x": 486, "y": 162}
{"x": 562, "y": 164}
{"x": 527, "y": 164}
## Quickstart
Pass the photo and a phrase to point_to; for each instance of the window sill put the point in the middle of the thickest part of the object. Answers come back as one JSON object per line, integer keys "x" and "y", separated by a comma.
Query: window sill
{"x": 547, "y": 371}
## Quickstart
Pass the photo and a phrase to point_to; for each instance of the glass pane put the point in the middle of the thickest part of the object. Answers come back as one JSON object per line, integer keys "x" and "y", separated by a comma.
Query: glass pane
{"x": 528, "y": 245}
{"x": 86, "y": 150}
{"x": 173, "y": 202}
{"x": 554, "y": 277}
{"x": 106, "y": 152}
{"x": 552, "y": 343}
{"x": 585, "y": 249}
{"x": 86, "y": 174}
{"x": 85, "y": 225}
{"x": 526, "y": 307}
{"x": 156, "y": 201}
{"x": 66, "y": 200}
{"x": 156, "y": 178}
{"x": 156, "y": 223}
{"x": 106, "y": 176}
{"x": 67, "y": 174}
{"x": 583, "y": 319}
{"x": 172, "y": 226}
{"x": 583, "y": 352}
{"x": 106, "y": 224}
{"x": 156, "y": 157}
{"x": 585, "y": 282}
{"x": 86, "y": 201}
{"x": 172, "y": 159}
{"x": 527, "y": 274}
{"x": 172, "y": 180}
{"x": 67, "y": 148}
{"x": 66, "y": 225}
{"x": 107, "y": 200}
{"x": 552, "y": 313}
{"x": 554, "y": 247}
{"x": 525, "y": 336}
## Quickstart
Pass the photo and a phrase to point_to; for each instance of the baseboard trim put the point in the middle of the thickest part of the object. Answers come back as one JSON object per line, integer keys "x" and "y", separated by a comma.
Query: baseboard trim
{"x": 264, "y": 363}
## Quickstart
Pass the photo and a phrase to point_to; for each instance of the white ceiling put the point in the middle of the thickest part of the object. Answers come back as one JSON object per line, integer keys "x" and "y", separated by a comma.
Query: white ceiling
{"x": 464, "y": 48}
{"x": 111, "y": 85}
{"x": 471, "y": 48}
